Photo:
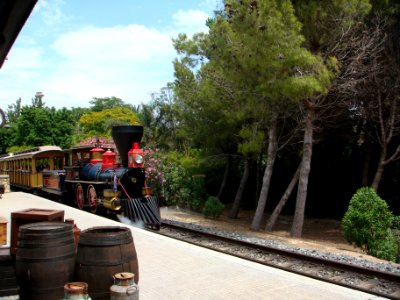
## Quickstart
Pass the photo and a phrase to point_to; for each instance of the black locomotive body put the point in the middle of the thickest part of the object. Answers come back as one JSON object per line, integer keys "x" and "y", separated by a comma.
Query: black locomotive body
{"x": 97, "y": 179}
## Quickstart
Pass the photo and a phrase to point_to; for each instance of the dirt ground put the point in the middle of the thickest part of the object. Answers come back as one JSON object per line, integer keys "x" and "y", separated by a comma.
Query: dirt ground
{"x": 319, "y": 234}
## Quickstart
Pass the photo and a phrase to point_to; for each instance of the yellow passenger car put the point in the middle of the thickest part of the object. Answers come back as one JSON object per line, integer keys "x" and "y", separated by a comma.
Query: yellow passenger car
{"x": 25, "y": 168}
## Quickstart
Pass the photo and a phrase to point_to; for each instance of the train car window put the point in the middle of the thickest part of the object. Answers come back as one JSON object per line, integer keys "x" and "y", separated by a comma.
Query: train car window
{"x": 42, "y": 164}
{"x": 86, "y": 157}
{"x": 58, "y": 162}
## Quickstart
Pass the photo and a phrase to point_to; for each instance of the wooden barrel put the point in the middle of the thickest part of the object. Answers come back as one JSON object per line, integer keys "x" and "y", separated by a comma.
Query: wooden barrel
{"x": 45, "y": 259}
{"x": 8, "y": 280}
{"x": 103, "y": 252}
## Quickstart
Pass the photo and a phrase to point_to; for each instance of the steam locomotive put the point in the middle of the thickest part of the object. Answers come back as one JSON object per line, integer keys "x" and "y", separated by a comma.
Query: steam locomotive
{"x": 90, "y": 177}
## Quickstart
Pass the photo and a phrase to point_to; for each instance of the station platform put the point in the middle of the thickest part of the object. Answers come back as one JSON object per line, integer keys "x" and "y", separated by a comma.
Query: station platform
{"x": 174, "y": 270}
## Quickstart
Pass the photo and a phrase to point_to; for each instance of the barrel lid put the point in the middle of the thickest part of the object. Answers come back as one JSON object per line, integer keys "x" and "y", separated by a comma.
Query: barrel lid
{"x": 41, "y": 227}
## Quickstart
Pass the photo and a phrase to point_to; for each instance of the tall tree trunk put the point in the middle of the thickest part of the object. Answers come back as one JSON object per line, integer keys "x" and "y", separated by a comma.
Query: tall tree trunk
{"x": 239, "y": 194}
{"x": 367, "y": 164}
{"x": 225, "y": 179}
{"x": 387, "y": 128}
{"x": 282, "y": 202}
{"x": 298, "y": 220}
{"x": 258, "y": 181}
{"x": 379, "y": 172}
{"x": 272, "y": 150}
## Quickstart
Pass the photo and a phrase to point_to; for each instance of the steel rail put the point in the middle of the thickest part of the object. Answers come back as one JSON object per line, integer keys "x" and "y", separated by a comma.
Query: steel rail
{"x": 346, "y": 267}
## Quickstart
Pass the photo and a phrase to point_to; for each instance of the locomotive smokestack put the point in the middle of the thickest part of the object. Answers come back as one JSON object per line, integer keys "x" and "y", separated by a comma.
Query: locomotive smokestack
{"x": 124, "y": 137}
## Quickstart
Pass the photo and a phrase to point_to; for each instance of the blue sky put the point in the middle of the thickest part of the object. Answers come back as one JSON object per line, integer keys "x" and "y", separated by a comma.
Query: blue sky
{"x": 74, "y": 50}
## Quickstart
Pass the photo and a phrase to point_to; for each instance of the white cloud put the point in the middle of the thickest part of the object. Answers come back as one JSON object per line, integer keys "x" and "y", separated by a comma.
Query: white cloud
{"x": 51, "y": 12}
{"x": 129, "y": 62}
{"x": 24, "y": 58}
{"x": 190, "y": 21}
{"x": 124, "y": 62}
{"x": 210, "y": 5}
{"x": 113, "y": 44}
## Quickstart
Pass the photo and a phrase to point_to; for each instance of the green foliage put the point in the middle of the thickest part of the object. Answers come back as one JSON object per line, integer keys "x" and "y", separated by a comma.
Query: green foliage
{"x": 100, "y": 104}
{"x": 182, "y": 187}
{"x": 367, "y": 224}
{"x": 6, "y": 137}
{"x": 253, "y": 140}
{"x": 210, "y": 106}
{"x": 160, "y": 119}
{"x": 396, "y": 234}
{"x": 338, "y": 14}
{"x": 191, "y": 161}
{"x": 14, "y": 149}
{"x": 260, "y": 44}
{"x": 38, "y": 126}
{"x": 99, "y": 123}
{"x": 396, "y": 222}
{"x": 197, "y": 192}
{"x": 175, "y": 180}
{"x": 213, "y": 208}
{"x": 14, "y": 111}
{"x": 63, "y": 127}
{"x": 229, "y": 81}
{"x": 385, "y": 248}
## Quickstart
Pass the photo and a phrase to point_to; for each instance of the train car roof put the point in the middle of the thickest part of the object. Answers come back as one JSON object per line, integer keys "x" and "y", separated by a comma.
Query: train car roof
{"x": 85, "y": 148}
{"x": 33, "y": 152}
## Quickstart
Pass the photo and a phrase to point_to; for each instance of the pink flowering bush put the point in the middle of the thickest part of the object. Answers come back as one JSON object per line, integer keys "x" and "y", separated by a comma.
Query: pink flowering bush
{"x": 154, "y": 171}
{"x": 103, "y": 142}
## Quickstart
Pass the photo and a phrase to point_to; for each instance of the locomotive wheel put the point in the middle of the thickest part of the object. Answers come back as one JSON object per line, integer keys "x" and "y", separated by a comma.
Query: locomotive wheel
{"x": 79, "y": 197}
{"x": 92, "y": 198}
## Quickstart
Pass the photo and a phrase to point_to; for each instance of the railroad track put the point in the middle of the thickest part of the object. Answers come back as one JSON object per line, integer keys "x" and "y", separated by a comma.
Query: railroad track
{"x": 376, "y": 282}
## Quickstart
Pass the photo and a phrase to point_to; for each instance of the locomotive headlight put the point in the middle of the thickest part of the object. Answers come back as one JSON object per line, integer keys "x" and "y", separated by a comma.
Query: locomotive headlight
{"x": 138, "y": 159}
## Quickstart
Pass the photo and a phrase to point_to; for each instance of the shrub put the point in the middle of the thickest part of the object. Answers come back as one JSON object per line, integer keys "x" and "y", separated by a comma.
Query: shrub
{"x": 175, "y": 182}
{"x": 396, "y": 233}
{"x": 396, "y": 222}
{"x": 367, "y": 224}
{"x": 213, "y": 207}
{"x": 385, "y": 248}
{"x": 181, "y": 187}
{"x": 197, "y": 192}
{"x": 154, "y": 171}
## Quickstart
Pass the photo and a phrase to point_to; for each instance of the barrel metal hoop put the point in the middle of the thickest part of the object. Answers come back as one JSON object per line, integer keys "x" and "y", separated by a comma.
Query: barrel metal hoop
{"x": 29, "y": 244}
{"x": 43, "y": 290}
{"x": 52, "y": 259}
{"x": 122, "y": 260}
{"x": 106, "y": 241}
